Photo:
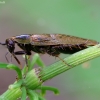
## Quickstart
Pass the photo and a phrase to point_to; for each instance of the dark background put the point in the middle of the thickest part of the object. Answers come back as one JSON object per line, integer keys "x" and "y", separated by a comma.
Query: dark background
{"x": 74, "y": 17}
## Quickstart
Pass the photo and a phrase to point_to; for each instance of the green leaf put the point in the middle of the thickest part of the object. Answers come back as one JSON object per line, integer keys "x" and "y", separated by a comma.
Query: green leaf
{"x": 3, "y": 65}
{"x": 45, "y": 88}
{"x": 32, "y": 95}
{"x": 17, "y": 69}
{"x": 24, "y": 94}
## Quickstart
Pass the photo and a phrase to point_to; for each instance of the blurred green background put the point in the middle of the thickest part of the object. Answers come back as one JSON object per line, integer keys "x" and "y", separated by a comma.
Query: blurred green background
{"x": 74, "y": 17}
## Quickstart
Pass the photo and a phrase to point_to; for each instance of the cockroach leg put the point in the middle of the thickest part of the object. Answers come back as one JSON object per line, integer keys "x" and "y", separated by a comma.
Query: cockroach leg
{"x": 14, "y": 57}
{"x": 6, "y": 56}
{"x": 70, "y": 46}
{"x": 21, "y": 53}
{"x": 79, "y": 46}
{"x": 60, "y": 47}
{"x": 26, "y": 60}
{"x": 86, "y": 41}
{"x": 17, "y": 60}
{"x": 11, "y": 58}
{"x": 75, "y": 46}
{"x": 64, "y": 61}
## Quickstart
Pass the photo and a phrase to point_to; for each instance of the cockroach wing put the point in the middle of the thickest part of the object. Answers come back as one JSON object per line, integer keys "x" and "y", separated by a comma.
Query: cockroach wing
{"x": 44, "y": 40}
{"x": 59, "y": 39}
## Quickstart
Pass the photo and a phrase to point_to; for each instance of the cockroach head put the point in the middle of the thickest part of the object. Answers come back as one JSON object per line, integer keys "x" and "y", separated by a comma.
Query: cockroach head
{"x": 10, "y": 43}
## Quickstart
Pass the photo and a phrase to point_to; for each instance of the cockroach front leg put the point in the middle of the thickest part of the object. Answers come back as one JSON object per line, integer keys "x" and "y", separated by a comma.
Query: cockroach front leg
{"x": 23, "y": 53}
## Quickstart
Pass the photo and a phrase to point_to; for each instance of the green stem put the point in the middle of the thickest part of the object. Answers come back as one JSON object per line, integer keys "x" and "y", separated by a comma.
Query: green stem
{"x": 11, "y": 94}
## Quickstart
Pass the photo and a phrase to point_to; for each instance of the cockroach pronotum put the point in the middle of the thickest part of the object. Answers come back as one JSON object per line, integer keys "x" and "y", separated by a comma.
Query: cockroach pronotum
{"x": 52, "y": 44}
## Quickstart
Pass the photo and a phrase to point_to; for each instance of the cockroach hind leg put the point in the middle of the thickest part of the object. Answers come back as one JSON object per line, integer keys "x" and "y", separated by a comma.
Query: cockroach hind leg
{"x": 64, "y": 62}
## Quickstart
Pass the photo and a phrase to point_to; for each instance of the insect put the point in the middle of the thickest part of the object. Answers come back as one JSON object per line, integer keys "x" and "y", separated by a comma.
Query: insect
{"x": 52, "y": 44}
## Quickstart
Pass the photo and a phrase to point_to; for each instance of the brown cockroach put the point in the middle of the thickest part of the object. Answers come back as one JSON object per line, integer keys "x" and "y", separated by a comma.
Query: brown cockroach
{"x": 52, "y": 44}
